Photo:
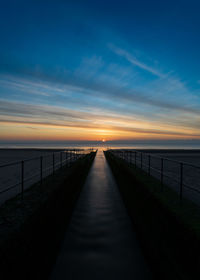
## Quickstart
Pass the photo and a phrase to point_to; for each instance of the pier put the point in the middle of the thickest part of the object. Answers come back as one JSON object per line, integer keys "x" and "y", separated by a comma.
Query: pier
{"x": 100, "y": 241}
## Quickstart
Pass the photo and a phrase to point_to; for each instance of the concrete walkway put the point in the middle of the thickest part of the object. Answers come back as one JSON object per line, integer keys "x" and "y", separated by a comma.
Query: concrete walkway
{"x": 100, "y": 242}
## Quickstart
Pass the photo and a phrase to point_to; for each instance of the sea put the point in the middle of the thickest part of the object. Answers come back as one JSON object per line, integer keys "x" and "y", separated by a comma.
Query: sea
{"x": 190, "y": 145}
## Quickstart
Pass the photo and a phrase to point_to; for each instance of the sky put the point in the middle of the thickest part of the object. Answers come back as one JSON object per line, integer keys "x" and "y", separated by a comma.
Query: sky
{"x": 93, "y": 70}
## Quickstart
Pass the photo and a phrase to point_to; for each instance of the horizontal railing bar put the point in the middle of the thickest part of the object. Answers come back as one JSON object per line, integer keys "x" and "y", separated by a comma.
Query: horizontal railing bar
{"x": 66, "y": 160}
{"x": 167, "y": 159}
{"x": 38, "y": 157}
{"x": 48, "y": 168}
{"x": 32, "y": 176}
{"x": 118, "y": 154}
{"x": 10, "y": 164}
{"x": 10, "y": 187}
{"x": 44, "y": 156}
{"x": 191, "y": 188}
{"x": 154, "y": 169}
{"x": 170, "y": 177}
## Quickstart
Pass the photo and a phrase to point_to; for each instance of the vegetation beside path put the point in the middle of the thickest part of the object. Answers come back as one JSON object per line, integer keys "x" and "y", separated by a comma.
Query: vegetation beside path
{"x": 169, "y": 231}
{"x": 32, "y": 229}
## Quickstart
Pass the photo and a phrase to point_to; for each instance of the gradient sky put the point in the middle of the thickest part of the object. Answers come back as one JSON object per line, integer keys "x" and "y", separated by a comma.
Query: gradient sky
{"x": 93, "y": 70}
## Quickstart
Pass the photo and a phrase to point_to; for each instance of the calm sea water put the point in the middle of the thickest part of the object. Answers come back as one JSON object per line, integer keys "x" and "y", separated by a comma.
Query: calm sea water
{"x": 160, "y": 145}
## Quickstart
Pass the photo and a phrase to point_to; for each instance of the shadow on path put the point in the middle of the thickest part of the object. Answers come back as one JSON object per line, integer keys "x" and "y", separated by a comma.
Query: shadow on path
{"x": 100, "y": 242}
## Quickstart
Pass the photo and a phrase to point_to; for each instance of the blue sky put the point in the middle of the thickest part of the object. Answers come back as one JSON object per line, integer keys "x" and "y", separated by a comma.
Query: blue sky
{"x": 90, "y": 70}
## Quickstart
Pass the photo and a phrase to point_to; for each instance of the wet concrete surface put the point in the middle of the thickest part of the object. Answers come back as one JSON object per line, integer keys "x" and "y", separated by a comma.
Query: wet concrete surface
{"x": 100, "y": 241}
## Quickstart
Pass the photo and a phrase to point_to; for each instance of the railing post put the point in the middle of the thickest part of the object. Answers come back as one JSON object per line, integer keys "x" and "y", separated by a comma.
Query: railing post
{"x": 65, "y": 157}
{"x": 181, "y": 180}
{"x": 141, "y": 160}
{"x": 135, "y": 158}
{"x": 22, "y": 179}
{"x": 60, "y": 159}
{"x": 53, "y": 164}
{"x": 149, "y": 165}
{"x": 68, "y": 158}
{"x": 161, "y": 172}
{"x": 41, "y": 175}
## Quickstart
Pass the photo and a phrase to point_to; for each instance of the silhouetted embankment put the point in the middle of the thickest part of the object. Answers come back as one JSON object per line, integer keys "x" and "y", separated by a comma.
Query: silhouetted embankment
{"x": 31, "y": 230}
{"x": 169, "y": 231}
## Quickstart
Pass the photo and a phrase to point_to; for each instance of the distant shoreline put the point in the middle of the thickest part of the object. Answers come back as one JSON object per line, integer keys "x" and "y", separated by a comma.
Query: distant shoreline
{"x": 146, "y": 150}
{"x": 175, "y": 150}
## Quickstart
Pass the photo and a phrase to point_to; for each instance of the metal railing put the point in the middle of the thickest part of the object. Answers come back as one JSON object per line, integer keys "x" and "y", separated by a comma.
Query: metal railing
{"x": 183, "y": 177}
{"x": 33, "y": 170}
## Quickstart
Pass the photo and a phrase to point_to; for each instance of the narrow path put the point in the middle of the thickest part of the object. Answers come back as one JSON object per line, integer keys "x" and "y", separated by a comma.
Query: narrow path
{"x": 100, "y": 242}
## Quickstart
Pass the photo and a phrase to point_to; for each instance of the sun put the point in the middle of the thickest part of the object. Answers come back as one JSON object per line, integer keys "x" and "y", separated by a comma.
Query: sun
{"x": 103, "y": 140}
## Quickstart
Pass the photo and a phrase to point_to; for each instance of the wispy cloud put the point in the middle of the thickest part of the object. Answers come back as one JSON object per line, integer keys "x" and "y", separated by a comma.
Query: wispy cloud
{"x": 99, "y": 89}
{"x": 133, "y": 60}
{"x": 109, "y": 100}
{"x": 35, "y": 116}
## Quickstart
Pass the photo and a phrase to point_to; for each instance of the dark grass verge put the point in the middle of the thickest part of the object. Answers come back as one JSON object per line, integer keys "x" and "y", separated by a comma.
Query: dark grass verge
{"x": 169, "y": 231}
{"x": 31, "y": 230}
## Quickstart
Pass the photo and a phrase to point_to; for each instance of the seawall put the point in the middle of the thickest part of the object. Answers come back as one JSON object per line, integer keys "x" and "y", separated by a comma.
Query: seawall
{"x": 32, "y": 229}
{"x": 168, "y": 231}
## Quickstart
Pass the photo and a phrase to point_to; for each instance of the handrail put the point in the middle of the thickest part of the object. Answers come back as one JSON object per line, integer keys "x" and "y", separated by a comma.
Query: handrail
{"x": 126, "y": 155}
{"x": 28, "y": 159}
{"x": 159, "y": 157}
{"x": 71, "y": 155}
